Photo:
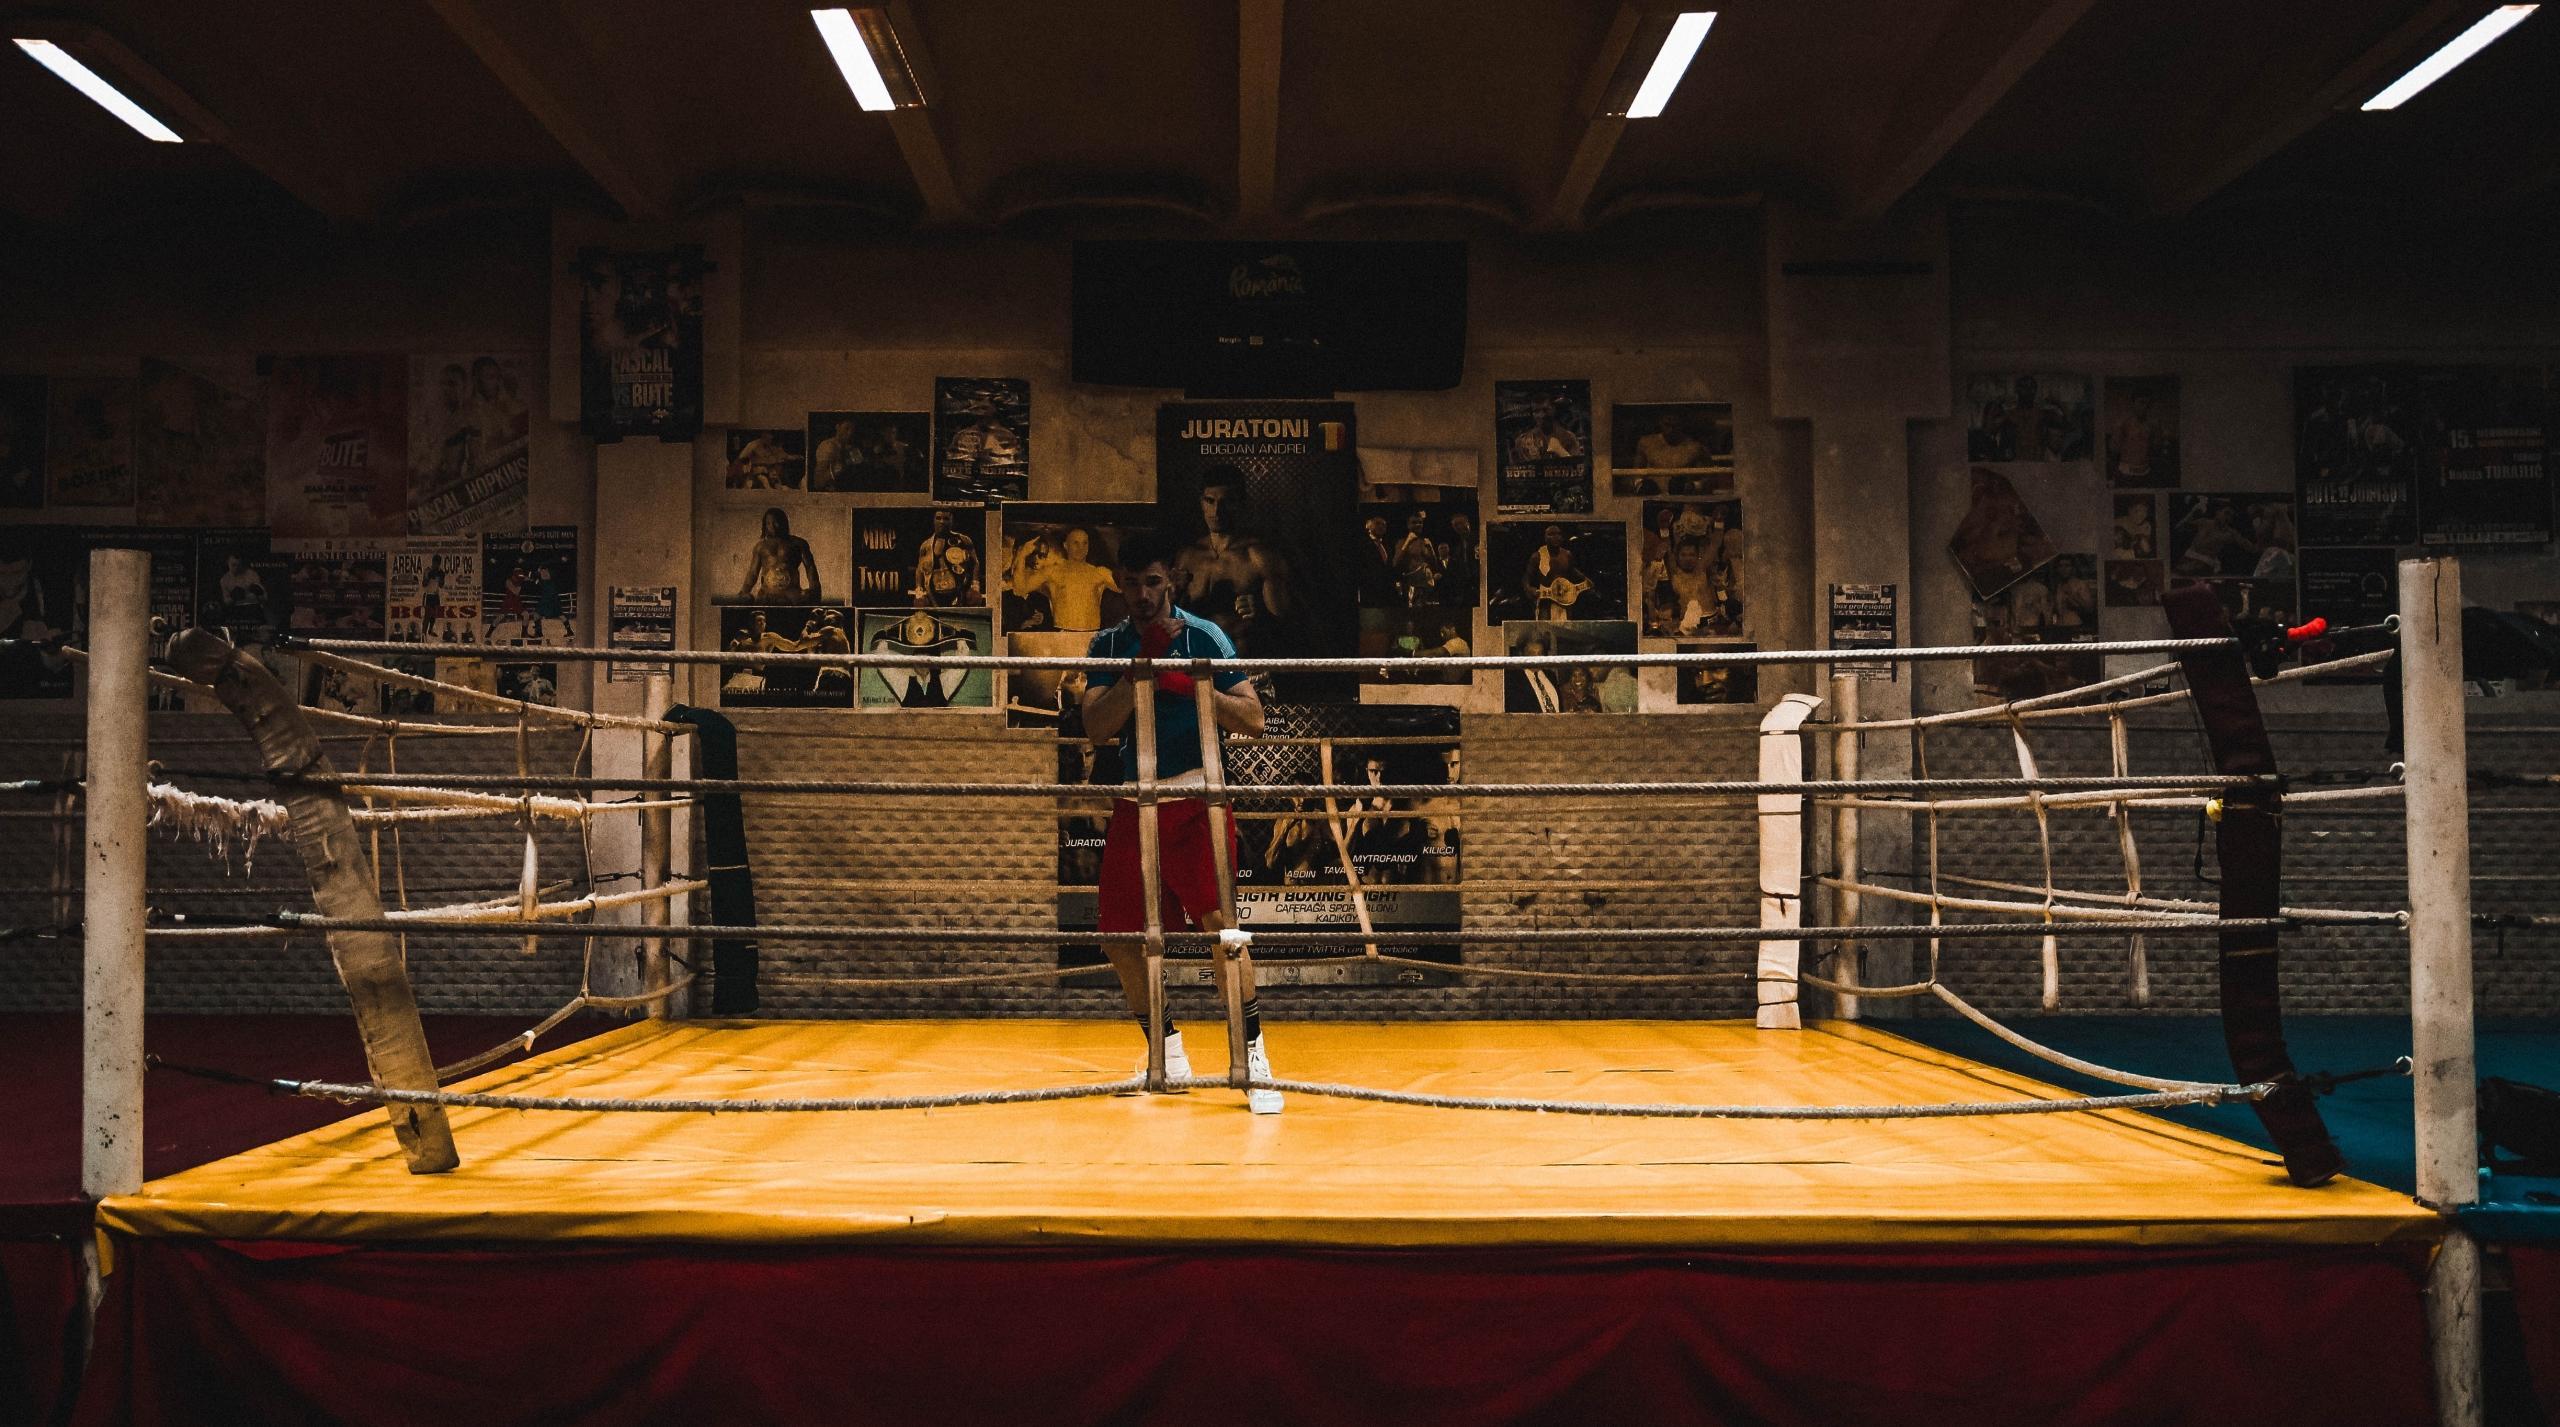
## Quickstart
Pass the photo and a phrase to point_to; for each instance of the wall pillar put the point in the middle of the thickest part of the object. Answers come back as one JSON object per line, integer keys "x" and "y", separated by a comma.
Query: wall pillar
{"x": 1858, "y": 350}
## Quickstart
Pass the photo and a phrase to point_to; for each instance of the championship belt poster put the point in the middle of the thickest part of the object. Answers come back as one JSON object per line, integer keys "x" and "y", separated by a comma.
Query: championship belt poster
{"x": 1263, "y": 499}
{"x": 1295, "y": 856}
{"x": 640, "y": 343}
{"x": 337, "y": 447}
{"x": 89, "y": 460}
{"x": 470, "y": 453}
{"x": 199, "y": 445}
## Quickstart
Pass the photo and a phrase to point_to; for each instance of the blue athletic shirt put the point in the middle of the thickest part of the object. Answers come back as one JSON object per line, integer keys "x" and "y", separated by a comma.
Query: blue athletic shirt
{"x": 1177, "y": 720}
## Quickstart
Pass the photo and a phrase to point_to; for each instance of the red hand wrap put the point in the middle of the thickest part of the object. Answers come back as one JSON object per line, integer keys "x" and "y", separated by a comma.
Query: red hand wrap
{"x": 1172, "y": 684}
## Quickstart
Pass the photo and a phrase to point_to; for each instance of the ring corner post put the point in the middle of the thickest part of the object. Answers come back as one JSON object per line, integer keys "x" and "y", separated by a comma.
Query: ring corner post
{"x": 2436, "y": 776}
{"x": 1845, "y": 857}
{"x": 1778, "y": 993}
{"x": 1150, "y": 869}
{"x": 113, "y": 894}
{"x": 657, "y": 828}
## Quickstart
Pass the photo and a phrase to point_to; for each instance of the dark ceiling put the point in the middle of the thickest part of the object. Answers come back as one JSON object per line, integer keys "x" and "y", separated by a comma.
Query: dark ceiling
{"x": 1280, "y": 115}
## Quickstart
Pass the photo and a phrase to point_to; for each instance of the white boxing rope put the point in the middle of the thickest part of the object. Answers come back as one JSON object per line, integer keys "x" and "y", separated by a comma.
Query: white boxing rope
{"x": 1781, "y": 820}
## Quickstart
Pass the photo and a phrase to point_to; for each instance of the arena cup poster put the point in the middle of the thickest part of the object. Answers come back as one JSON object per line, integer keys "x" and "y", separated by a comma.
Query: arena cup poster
{"x": 1296, "y": 858}
{"x": 640, "y": 343}
{"x": 1263, "y": 497}
{"x": 337, "y": 447}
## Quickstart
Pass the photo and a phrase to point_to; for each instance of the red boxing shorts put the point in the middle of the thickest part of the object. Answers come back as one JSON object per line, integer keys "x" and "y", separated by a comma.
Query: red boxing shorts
{"x": 1190, "y": 869}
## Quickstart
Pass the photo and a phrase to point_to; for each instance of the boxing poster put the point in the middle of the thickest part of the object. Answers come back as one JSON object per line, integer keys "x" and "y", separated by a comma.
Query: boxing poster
{"x": 1691, "y": 573}
{"x": 339, "y": 589}
{"x": 529, "y": 586}
{"x": 2243, "y": 544}
{"x": 433, "y": 590}
{"x": 1297, "y": 858}
{"x": 982, "y": 439}
{"x": 2028, "y": 416}
{"x": 1569, "y": 688}
{"x": 244, "y": 587}
{"x": 2051, "y": 609}
{"x": 1671, "y": 448}
{"x": 1701, "y": 684}
{"x": 1262, "y": 499}
{"x": 640, "y": 342}
{"x": 199, "y": 445}
{"x": 786, "y": 629}
{"x": 1555, "y": 570}
{"x": 39, "y": 582}
{"x": 1061, "y": 565}
{"x": 641, "y": 617}
{"x": 2141, "y": 432}
{"x": 337, "y": 447}
{"x": 172, "y": 587}
{"x": 2353, "y": 457}
{"x": 883, "y": 452}
{"x": 1865, "y": 617}
{"x": 931, "y": 634}
{"x": 1542, "y": 441}
{"x": 21, "y": 443}
{"x": 763, "y": 459}
{"x": 1420, "y": 553}
{"x": 89, "y": 442}
{"x": 470, "y": 446}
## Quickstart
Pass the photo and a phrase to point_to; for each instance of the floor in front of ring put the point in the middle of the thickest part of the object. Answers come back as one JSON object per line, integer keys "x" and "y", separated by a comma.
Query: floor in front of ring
{"x": 1197, "y": 1168}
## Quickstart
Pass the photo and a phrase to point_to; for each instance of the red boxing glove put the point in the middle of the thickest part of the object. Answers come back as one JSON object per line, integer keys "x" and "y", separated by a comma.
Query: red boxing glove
{"x": 1172, "y": 684}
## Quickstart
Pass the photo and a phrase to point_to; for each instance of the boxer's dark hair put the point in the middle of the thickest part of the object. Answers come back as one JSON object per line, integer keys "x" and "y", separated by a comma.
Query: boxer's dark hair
{"x": 1141, "y": 548}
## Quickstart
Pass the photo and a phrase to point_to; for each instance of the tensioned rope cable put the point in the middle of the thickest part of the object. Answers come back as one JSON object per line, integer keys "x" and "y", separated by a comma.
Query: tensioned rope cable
{"x": 974, "y": 936}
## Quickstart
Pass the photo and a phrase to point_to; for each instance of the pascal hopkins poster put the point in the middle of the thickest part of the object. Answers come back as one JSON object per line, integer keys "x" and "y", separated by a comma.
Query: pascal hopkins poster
{"x": 640, "y": 343}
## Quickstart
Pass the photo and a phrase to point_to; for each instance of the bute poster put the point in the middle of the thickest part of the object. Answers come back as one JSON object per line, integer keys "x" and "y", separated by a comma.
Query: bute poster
{"x": 337, "y": 446}
{"x": 640, "y": 343}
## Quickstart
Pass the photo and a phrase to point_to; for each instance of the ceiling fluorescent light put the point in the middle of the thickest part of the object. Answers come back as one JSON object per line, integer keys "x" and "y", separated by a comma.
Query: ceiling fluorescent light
{"x": 1671, "y": 62}
{"x": 867, "y": 49}
{"x": 79, "y": 76}
{"x": 2462, "y": 47}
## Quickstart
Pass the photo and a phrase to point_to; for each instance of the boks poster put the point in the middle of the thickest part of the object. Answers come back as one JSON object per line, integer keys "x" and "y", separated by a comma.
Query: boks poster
{"x": 434, "y": 591}
{"x": 1261, "y": 499}
{"x": 1542, "y": 440}
{"x": 337, "y": 446}
{"x": 199, "y": 445}
{"x": 640, "y": 343}
{"x": 470, "y": 447}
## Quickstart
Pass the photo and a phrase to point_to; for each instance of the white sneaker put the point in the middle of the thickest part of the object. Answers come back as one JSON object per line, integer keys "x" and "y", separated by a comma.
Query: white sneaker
{"x": 1257, "y": 1065}
{"x": 1177, "y": 1061}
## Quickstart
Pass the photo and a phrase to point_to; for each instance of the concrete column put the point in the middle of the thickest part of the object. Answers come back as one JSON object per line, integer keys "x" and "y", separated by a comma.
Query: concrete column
{"x": 117, "y": 810}
{"x": 1858, "y": 350}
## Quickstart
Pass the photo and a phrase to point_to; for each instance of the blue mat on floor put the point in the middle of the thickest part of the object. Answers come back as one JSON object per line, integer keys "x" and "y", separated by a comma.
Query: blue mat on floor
{"x": 2371, "y": 1119}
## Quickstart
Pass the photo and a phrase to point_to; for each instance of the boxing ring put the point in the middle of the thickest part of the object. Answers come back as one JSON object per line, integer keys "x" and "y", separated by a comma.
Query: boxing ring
{"x": 1766, "y": 1219}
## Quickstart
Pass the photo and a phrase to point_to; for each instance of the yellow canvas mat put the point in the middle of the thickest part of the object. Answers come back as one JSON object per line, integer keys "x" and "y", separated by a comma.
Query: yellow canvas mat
{"x": 1198, "y": 1169}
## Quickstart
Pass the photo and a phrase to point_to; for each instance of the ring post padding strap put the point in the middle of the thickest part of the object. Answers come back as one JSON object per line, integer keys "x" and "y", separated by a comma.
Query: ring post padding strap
{"x": 2250, "y": 849}
{"x": 734, "y": 959}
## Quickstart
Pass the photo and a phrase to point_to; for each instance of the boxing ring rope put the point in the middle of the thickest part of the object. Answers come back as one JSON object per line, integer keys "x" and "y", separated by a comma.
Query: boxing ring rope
{"x": 2244, "y": 788}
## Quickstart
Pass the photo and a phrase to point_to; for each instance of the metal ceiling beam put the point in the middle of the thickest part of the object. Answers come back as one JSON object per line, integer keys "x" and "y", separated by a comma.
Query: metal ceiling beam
{"x": 2284, "y": 105}
{"x": 919, "y": 137}
{"x": 1938, "y": 107}
{"x": 1601, "y": 132}
{"x": 621, "y": 168}
{"x": 1258, "y": 24}
{"x": 174, "y": 106}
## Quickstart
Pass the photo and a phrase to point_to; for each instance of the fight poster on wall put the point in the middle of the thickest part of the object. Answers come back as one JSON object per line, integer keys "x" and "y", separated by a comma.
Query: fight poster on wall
{"x": 2484, "y": 463}
{"x": 1296, "y": 859}
{"x": 337, "y": 446}
{"x": 1262, "y": 498}
{"x": 434, "y": 591}
{"x": 470, "y": 453}
{"x": 529, "y": 586}
{"x": 981, "y": 440}
{"x": 244, "y": 587}
{"x": 89, "y": 442}
{"x": 199, "y": 445}
{"x": 2353, "y": 461}
{"x": 640, "y": 617}
{"x": 1542, "y": 437}
{"x": 39, "y": 576}
{"x": 640, "y": 342}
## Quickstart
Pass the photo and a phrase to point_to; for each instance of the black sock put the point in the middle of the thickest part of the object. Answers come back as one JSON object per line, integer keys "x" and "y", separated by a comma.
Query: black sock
{"x": 1253, "y": 1020}
{"x": 1141, "y": 1018}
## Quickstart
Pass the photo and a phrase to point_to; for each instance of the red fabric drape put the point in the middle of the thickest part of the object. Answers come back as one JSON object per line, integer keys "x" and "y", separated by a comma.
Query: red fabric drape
{"x": 203, "y": 1331}
{"x": 39, "y": 1294}
{"x": 2534, "y": 1270}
